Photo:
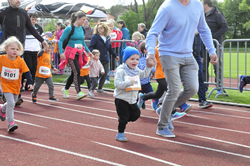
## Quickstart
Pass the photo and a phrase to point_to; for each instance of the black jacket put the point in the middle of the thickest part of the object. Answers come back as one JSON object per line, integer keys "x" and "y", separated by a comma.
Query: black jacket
{"x": 144, "y": 32}
{"x": 98, "y": 43}
{"x": 217, "y": 24}
{"x": 197, "y": 46}
{"x": 14, "y": 21}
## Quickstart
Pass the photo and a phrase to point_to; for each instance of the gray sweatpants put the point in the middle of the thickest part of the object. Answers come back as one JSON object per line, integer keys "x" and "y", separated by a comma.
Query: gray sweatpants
{"x": 38, "y": 83}
{"x": 94, "y": 83}
{"x": 8, "y": 107}
{"x": 177, "y": 70}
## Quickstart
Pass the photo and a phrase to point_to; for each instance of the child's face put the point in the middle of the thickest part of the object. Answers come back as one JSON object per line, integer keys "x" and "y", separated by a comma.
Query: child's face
{"x": 49, "y": 49}
{"x": 97, "y": 56}
{"x": 111, "y": 27}
{"x": 12, "y": 50}
{"x": 58, "y": 28}
{"x": 135, "y": 38}
{"x": 132, "y": 61}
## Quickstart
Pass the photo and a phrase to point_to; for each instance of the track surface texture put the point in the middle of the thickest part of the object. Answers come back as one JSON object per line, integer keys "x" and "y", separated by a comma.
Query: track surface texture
{"x": 82, "y": 132}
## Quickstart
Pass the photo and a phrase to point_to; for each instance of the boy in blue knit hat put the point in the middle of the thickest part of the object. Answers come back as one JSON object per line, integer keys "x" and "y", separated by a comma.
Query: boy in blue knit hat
{"x": 127, "y": 84}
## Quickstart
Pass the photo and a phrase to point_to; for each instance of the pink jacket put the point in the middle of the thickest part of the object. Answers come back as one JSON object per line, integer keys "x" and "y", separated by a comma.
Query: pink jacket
{"x": 70, "y": 53}
{"x": 59, "y": 34}
{"x": 95, "y": 67}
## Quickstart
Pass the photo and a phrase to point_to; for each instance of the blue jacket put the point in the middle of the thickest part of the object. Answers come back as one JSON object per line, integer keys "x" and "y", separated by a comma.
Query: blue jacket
{"x": 198, "y": 46}
{"x": 98, "y": 43}
{"x": 125, "y": 35}
{"x": 142, "y": 66}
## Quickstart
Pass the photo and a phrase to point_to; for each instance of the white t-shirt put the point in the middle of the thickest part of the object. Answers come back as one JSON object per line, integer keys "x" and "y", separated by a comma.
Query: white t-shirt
{"x": 104, "y": 39}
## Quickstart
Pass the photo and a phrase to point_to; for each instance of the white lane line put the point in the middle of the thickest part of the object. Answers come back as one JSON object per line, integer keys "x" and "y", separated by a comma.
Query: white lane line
{"x": 138, "y": 154}
{"x": 29, "y": 124}
{"x": 234, "y": 116}
{"x": 199, "y": 117}
{"x": 140, "y": 135}
{"x": 61, "y": 150}
{"x": 218, "y": 140}
{"x": 69, "y": 109}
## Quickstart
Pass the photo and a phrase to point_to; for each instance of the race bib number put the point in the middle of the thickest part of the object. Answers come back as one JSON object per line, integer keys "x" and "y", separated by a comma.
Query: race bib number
{"x": 44, "y": 70}
{"x": 113, "y": 35}
{"x": 137, "y": 83}
{"x": 78, "y": 46}
{"x": 10, "y": 74}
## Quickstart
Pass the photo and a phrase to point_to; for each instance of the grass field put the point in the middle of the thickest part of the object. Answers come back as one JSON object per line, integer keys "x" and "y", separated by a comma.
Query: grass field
{"x": 235, "y": 96}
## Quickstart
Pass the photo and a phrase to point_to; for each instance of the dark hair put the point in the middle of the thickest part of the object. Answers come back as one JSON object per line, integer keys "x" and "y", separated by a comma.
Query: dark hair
{"x": 61, "y": 25}
{"x": 143, "y": 46}
{"x": 88, "y": 19}
{"x": 34, "y": 15}
{"x": 78, "y": 14}
{"x": 122, "y": 22}
{"x": 208, "y": 2}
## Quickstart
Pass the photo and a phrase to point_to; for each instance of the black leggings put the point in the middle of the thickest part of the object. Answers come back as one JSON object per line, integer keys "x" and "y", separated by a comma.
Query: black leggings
{"x": 161, "y": 88}
{"x": 30, "y": 58}
{"x": 75, "y": 74}
{"x": 103, "y": 77}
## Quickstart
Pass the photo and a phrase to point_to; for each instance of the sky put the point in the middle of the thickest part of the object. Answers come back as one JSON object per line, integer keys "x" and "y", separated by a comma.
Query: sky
{"x": 106, "y": 3}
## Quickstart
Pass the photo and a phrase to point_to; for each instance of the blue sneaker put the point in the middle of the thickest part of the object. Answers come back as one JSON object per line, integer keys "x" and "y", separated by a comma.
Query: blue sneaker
{"x": 242, "y": 83}
{"x": 140, "y": 101}
{"x": 158, "y": 110}
{"x": 170, "y": 126}
{"x": 165, "y": 132}
{"x": 154, "y": 104}
{"x": 219, "y": 91}
{"x": 121, "y": 137}
{"x": 177, "y": 115}
{"x": 185, "y": 107}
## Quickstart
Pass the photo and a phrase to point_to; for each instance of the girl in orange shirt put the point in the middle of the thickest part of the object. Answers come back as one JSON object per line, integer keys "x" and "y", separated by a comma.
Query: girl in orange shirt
{"x": 12, "y": 67}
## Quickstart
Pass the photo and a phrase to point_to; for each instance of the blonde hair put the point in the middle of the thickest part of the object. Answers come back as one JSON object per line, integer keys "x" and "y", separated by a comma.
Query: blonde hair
{"x": 9, "y": 41}
{"x": 106, "y": 28}
{"x": 137, "y": 34}
{"x": 109, "y": 22}
{"x": 95, "y": 51}
{"x": 142, "y": 25}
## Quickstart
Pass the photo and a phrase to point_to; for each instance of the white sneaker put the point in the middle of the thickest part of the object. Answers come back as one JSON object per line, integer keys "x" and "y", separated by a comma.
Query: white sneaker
{"x": 65, "y": 93}
{"x": 91, "y": 93}
{"x": 107, "y": 82}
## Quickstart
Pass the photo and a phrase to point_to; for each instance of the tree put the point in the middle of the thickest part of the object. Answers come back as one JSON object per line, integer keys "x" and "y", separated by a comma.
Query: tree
{"x": 244, "y": 6}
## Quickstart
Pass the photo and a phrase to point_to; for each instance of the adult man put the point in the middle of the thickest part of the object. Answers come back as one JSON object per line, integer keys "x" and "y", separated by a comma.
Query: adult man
{"x": 13, "y": 21}
{"x": 218, "y": 26}
{"x": 142, "y": 29}
{"x": 175, "y": 32}
{"x": 89, "y": 31}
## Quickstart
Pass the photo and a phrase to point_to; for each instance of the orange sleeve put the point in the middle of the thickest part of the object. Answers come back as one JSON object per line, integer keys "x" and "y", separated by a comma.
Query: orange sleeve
{"x": 159, "y": 74}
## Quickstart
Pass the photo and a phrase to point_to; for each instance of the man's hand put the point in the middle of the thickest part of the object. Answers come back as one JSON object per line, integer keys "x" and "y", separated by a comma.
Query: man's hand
{"x": 117, "y": 58}
{"x": 62, "y": 56}
{"x": 213, "y": 59}
{"x": 30, "y": 87}
{"x": 45, "y": 45}
{"x": 151, "y": 60}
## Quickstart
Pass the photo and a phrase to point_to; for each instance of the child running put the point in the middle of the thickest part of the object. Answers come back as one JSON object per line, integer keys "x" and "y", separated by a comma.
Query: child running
{"x": 43, "y": 73}
{"x": 95, "y": 67}
{"x": 127, "y": 75}
{"x": 12, "y": 67}
{"x": 84, "y": 74}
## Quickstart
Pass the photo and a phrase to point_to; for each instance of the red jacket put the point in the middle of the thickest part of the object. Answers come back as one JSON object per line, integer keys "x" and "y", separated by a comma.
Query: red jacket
{"x": 116, "y": 35}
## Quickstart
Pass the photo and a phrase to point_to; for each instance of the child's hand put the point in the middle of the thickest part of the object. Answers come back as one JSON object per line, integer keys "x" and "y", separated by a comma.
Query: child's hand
{"x": 117, "y": 58}
{"x": 30, "y": 87}
{"x": 150, "y": 63}
{"x": 55, "y": 70}
{"x": 132, "y": 82}
{"x": 62, "y": 56}
{"x": 102, "y": 72}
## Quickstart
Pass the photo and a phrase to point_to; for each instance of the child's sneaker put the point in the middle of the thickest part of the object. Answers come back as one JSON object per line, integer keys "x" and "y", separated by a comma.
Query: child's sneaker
{"x": 154, "y": 104}
{"x": 12, "y": 126}
{"x": 121, "y": 137}
{"x": 19, "y": 101}
{"x": 2, "y": 115}
{"x": 177, "y": 115}
{"x": 53, "y": 98}
{"x": 65, "y": 93}
{"x": 80, "y": 95}
{"x": 91, "y": 93}
{"x": 185, "y": 107}
{"x": 33, "y": 97}
{"x": 140, "y": 101}
{"x": 101, "y": 91}
{"x": 205, "y": 104}
{"x": 242, "y": 82}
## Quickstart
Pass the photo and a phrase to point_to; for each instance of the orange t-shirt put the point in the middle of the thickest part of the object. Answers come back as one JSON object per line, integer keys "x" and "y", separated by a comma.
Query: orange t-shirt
{"x": 159, "y": 74}
{"x": 84, "y": 71}
{"x": 11, "y": 74}
{"x": 43, "y": 69}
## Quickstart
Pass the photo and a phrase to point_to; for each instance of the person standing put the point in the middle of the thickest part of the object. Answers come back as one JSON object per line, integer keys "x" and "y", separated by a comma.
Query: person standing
{"x": 31, "y": 47}
{"x": 142, "y": 29}
{"x": 88, "y": 29}
{"x": 74, "y": 53}
{"x": 218, "y": 26}
{"x": 126, "y": 36}
{"x": 175, "y": 32}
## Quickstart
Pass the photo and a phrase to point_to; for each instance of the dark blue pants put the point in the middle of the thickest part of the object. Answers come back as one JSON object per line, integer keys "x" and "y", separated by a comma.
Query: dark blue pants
{"x": 146, "y": 88}
{"x": 201, "y": 92}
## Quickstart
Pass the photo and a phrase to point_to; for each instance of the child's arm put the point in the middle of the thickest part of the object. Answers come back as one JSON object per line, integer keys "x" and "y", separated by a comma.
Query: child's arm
{"x": 91, "y": 61}
{"x": 40, "y": 53}
{"x": 101, "y": 67}
{"x": 119, "y": 81}
{"x": 28, "y": 76}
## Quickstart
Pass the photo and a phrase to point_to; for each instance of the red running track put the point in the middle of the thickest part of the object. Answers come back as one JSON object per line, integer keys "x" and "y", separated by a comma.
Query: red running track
{"x": 71, "y": 132}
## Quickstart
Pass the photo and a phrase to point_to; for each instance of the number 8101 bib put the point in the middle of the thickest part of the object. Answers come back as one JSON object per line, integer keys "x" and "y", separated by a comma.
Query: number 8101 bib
{"x": 9, "y": 73}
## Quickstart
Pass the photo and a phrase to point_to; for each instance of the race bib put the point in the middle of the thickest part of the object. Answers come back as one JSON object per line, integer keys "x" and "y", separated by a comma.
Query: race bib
{"x": 10, "y": 74}
{"x": 78, "y": 46}
{"x": 113, "y": 35}
{"x": 137, "y": 84}
{"x": 44, "y": 70}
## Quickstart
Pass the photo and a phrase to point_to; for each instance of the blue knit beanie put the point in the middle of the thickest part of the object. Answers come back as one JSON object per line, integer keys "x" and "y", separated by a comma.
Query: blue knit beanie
{"x": 128, "y": 52}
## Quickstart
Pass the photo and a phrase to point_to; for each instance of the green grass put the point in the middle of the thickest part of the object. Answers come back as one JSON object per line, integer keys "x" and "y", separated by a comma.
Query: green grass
{"x": 235, "y": 95}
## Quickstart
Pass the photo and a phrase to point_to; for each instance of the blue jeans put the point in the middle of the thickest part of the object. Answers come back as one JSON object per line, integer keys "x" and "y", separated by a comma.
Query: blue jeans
{"x": 201, "y": 93}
